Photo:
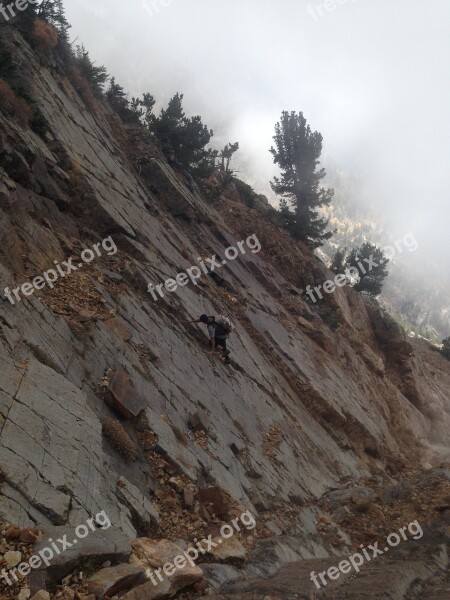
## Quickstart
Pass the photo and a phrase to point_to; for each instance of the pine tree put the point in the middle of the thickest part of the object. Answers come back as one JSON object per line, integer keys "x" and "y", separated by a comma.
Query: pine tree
{"x": 148, "y": 103}
{"x": 370, "y": 263}
{"x": 183, "y": 139}
{"x": 338, "y": 263}
{"x": 226, "y": 155}
{"x": 167, "y": 127}
{"x": 195, "y": 136}
{"x": 53, "y": 11}
{"x": 446, "y": 347}
{"x": 135, "y": 106}
{"x": 143, "y": 109}
{"x": 287, "y": 217}
{"x": 297, "y": 152}
{"x": 116, "y": 96}
{"x": 97, "y": 76}
{"x": 136, "y": 111}
{"x": 207, "y": 165}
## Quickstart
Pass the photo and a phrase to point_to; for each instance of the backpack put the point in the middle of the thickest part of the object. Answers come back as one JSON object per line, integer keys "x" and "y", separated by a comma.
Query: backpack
{"x": 225, "y": 322}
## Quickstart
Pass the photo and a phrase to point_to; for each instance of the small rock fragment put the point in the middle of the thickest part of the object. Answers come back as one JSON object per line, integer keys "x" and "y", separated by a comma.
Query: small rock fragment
{"x": 341, "y": 514}
{"x": 31, "y": 535}
{"x": 12, "y": 558}
{"x": 12, "y": 533}
{"x": 274, "y": 527}
{"x": 188, "y": 498}
{"x": 65, "y": 594}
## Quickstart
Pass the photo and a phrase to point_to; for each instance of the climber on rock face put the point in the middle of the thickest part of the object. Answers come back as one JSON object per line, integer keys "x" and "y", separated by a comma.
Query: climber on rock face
{"x": 219, "y": 329}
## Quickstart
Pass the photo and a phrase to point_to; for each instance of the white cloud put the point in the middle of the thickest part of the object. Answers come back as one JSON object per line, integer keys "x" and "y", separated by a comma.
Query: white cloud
{"x": 370, "y": 76}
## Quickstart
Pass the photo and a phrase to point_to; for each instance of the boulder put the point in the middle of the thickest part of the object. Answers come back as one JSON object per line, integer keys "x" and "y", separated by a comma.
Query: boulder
{"x": 275, "y": 527}
{"x": 199, "y": 421}
{"x": 121, "y": 396}
{"x": 174, "y": 574}
{"x": 341, "y": 514}
{"x": 344, "y": 496}
{"x": 400, "y": 491}
{"x": 115, "y": 580}
{"x": 229, "y": 551}
{"x": 215, "y": 498}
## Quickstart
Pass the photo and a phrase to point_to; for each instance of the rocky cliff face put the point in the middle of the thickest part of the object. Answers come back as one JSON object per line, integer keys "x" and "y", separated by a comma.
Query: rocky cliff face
{"x": 304, "y": 407}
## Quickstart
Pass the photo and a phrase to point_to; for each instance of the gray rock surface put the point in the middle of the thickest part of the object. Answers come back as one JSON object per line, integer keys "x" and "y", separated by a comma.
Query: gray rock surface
{"x": 218, "y": 575}
{"x": 347, "y": 402}
{"x": 95, "y": 548}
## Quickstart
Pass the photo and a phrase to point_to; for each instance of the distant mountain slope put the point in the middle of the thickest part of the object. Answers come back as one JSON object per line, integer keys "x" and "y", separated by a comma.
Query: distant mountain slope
{"x": 417, "y": 290}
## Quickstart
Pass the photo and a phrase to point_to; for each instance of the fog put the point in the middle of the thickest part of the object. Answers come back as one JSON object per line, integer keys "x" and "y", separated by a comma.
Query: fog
{"x": 371, "y": 76}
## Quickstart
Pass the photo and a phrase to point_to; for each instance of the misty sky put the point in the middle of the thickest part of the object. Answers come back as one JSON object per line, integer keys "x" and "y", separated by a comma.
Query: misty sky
{"x": 371, "y": 76}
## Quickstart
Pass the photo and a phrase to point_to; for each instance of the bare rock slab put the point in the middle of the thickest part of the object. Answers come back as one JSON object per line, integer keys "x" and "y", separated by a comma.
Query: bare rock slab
{"x": 219, "y": 574}
{"x": 97, "y": 547}
{"x": 139, "y": 504}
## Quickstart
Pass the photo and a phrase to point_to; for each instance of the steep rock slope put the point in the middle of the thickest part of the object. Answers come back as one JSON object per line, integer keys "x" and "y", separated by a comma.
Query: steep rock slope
{"x": 302, "y": 407}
